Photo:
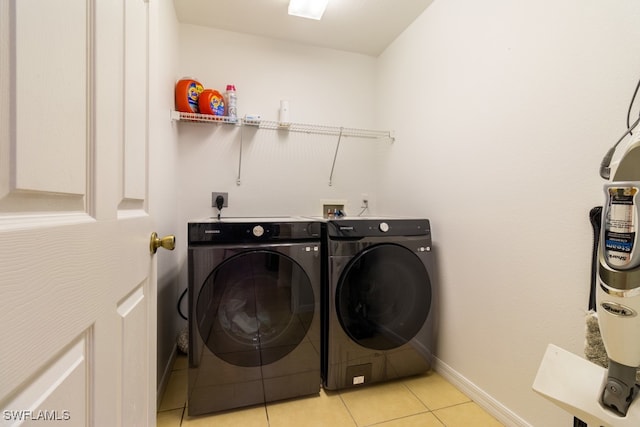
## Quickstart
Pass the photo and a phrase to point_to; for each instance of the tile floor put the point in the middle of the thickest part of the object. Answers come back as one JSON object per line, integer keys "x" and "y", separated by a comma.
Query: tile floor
{"x": 427, "y": 400}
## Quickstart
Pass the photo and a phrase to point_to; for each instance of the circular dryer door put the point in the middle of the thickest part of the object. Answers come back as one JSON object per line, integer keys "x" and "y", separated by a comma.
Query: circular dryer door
{"x": 383, "y": 296}
{"x": 255, "y": 308}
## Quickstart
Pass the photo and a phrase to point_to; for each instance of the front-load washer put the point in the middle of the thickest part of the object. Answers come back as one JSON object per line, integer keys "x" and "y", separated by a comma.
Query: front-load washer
{"x": 377, "y": 303}
{"x": 254, "y": 320}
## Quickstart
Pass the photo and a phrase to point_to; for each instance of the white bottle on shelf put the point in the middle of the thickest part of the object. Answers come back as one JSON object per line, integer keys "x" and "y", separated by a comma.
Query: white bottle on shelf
{"x": 284, "y": 114}
{"x": 232, "y": 103}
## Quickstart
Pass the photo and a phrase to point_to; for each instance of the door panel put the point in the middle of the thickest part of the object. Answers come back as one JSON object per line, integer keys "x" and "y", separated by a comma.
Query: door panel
{"x": 255, "y": 308}
{"x": 47, "y": 32}
{"x": 383, "y": 297}
{"x": 134, "y": 354}
{"x": 63, "y": 384}
{"x": 135, "y": 107}
{"x": 38, "y": 171}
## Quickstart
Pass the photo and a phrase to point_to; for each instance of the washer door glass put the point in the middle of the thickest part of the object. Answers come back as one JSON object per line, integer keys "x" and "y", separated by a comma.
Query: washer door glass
{"x": 255, "y": 308}
{"x": 383, "y": 296}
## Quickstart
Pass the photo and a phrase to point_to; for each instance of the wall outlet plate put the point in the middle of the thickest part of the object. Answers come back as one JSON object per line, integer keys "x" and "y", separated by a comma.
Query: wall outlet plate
{"x": 328, "y": 210}
{"x": 332, "y": 204}
{"x": 364, "y": 201}
{"x": 214, "y": 196}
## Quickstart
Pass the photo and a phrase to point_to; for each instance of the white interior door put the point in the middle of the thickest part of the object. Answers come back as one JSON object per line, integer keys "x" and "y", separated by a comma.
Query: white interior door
{"x": 77, "y": 280}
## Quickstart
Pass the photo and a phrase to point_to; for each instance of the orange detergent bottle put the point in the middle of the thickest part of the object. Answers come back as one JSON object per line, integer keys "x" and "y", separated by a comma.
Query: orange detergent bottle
{"x": 188, "y": 91}
{"x": 211, "y": 102}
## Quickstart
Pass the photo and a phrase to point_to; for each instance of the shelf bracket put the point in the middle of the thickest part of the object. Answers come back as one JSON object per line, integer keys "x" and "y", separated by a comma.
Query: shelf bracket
{"x": 335, "y": 156}
{"x": 240, "y": 156}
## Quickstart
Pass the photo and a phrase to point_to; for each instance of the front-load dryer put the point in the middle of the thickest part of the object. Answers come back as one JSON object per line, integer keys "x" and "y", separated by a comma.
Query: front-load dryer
{"x": 254, "y": 320}
{"x": 377, "y": 302}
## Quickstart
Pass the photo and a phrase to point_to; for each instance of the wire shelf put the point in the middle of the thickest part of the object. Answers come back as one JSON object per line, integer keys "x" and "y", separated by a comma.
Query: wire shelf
{"x": 340, "y": 132}
{"x": 289, "y": 127}
{"x": 203, "y": 118}
{"x": 320, "y": 129}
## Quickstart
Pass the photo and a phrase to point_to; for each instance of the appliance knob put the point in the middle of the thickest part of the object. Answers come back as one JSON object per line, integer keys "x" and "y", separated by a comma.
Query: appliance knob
{"x": 258, "y": 231}
{"x": 384, "y": 227}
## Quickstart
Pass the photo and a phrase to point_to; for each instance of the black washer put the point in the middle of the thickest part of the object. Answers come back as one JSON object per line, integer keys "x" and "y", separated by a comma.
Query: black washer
{"x": 254, "y": 319}
{"x": 377, "y": 312}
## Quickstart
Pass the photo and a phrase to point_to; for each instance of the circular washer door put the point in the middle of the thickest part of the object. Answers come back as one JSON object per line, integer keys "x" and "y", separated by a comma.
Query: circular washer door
{"x": 255, "y": 308}
{"x": 383, "y": 296}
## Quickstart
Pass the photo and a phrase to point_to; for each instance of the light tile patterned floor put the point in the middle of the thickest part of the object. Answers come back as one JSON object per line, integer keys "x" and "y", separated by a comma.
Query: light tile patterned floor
{"x": 427, "y": 400}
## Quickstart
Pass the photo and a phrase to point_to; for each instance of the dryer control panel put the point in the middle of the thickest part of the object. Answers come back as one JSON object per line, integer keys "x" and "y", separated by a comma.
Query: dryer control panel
{"x": 214, "y": 232}
{"x": 371, "y": 227}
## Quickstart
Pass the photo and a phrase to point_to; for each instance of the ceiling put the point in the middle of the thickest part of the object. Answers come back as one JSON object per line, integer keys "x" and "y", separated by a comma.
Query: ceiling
{"x": 361, "y": 26}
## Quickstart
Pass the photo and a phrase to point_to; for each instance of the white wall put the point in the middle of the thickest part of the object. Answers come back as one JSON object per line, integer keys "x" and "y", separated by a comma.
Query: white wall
{"x": 163, "y": 188}
{"x": 282, "y": 173}
{"x": 503, "y": 111}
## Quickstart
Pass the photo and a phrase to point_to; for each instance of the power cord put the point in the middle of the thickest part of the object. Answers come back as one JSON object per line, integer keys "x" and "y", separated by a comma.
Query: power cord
{"x": 633, "y": 98}
{"x": 219, "y": 205}
{"x": 605, "y": 170}
{"x": 180, "y": 304}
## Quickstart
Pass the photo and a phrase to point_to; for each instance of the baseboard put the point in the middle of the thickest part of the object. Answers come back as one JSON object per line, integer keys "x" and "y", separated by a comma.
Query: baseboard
{"x": 486, "y": 402}
{"x": 164, "y": 380}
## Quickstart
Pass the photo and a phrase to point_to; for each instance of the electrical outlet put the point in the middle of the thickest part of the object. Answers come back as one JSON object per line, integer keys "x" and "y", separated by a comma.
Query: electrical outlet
{"x": 215, "y": 195}
{"x": 365, "y": 201}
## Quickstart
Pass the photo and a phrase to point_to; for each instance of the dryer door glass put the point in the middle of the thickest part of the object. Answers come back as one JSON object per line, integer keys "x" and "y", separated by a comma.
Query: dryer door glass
{"x": 383, "y": 296}
{"x": 255, "y": 308}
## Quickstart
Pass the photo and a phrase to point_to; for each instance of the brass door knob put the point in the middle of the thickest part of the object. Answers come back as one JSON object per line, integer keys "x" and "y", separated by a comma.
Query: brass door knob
{"x": 167, "y": 242}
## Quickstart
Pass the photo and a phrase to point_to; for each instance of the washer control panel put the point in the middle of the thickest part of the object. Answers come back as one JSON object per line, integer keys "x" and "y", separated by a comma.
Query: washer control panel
{"x": 353, "y": 228}
{"x": 251, "y": 231}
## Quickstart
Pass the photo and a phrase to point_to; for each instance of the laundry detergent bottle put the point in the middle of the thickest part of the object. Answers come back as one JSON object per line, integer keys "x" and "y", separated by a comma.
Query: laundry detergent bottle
{"x": 211, "y": 102}
{"x": 188, "y": 92}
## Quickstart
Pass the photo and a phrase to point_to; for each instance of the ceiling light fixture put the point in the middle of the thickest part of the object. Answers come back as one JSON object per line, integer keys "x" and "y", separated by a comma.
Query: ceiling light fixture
{"x": 312, "y": 9}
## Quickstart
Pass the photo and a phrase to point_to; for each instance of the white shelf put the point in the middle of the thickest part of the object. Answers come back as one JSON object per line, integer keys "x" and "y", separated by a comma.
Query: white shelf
{"x": 321, "y": 129}
{"x": 202, "y": 118}
{"x": 290, "y": 127}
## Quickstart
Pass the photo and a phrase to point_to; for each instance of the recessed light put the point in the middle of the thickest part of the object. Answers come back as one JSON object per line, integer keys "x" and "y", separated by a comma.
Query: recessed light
{"x": 312, "y": 9}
